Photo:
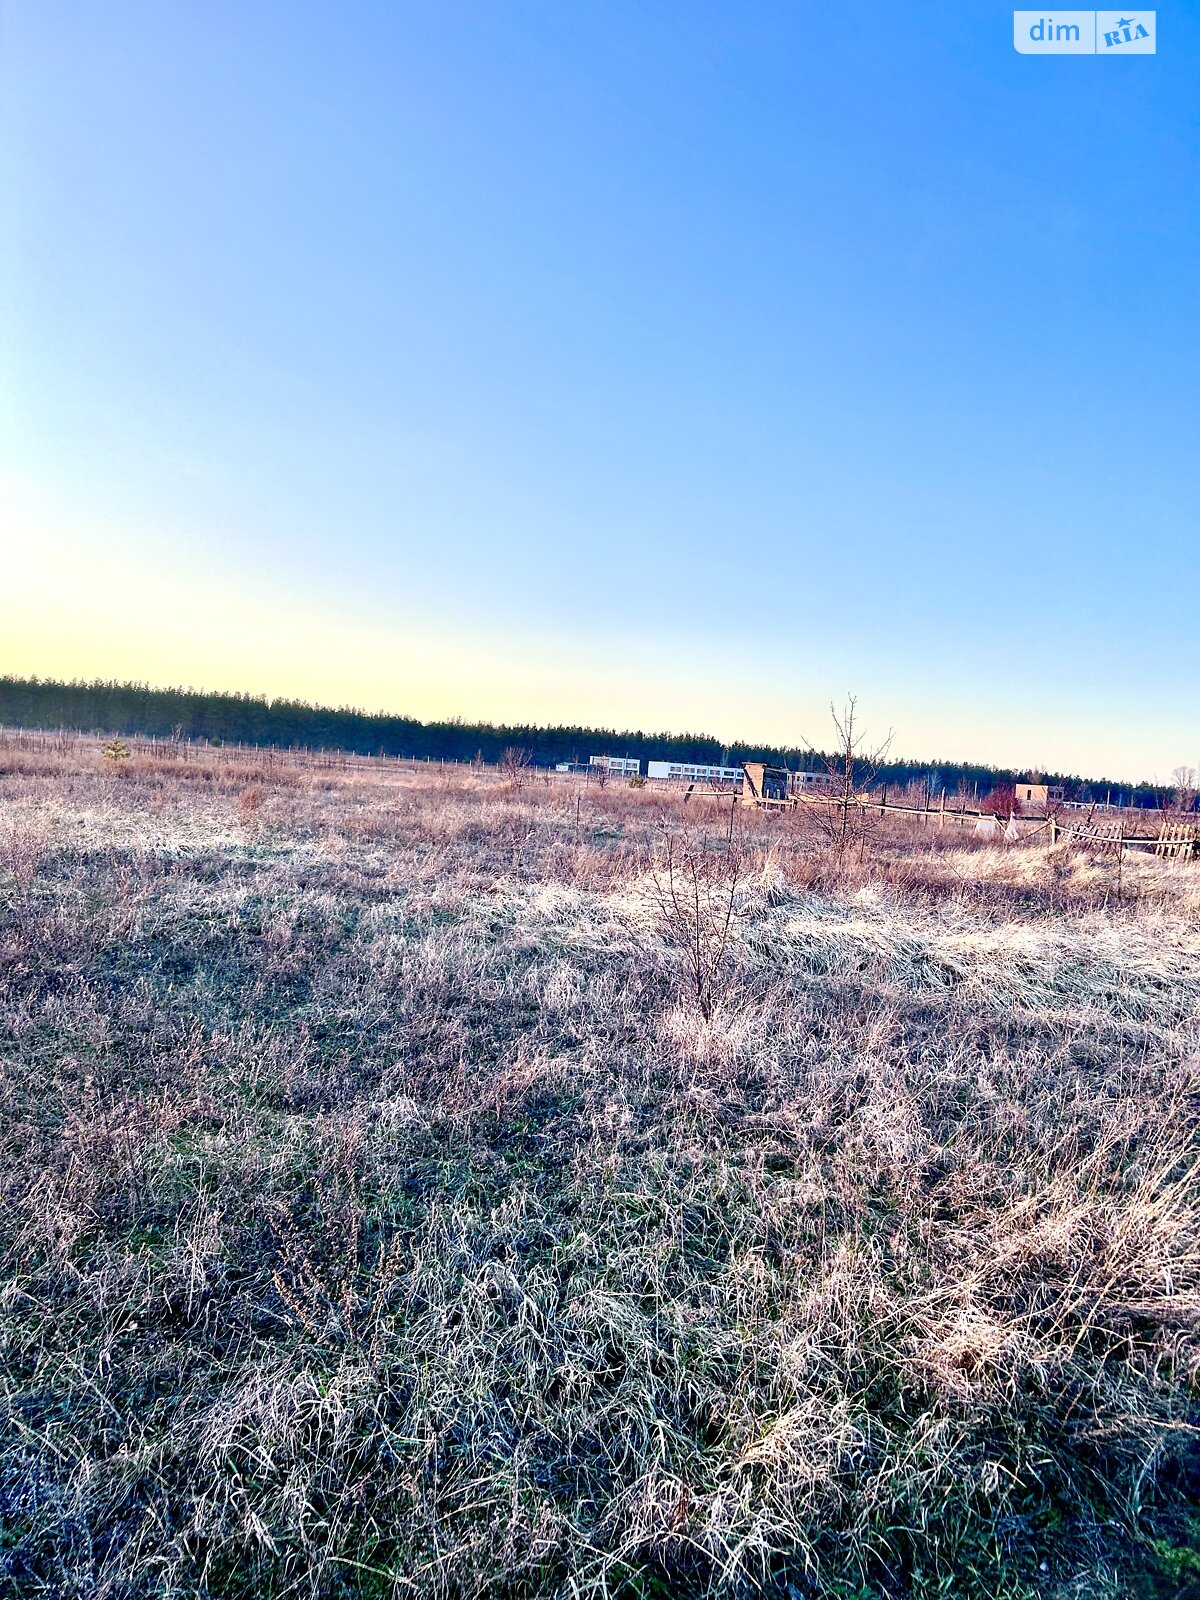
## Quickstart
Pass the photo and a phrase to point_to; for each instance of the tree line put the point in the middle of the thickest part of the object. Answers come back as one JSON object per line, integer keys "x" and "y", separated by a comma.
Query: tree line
{"x": 136, "y": 709}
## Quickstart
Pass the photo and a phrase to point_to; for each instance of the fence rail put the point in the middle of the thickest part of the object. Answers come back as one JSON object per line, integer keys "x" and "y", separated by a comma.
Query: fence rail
{"x": 1175, "y": 838}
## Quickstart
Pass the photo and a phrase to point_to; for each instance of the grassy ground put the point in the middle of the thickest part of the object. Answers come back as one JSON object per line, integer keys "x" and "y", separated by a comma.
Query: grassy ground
{"x": 408, "y": 1188}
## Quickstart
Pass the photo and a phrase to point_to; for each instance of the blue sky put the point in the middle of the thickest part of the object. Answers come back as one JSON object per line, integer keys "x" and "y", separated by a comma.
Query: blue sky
{"x": 545, "y": 360}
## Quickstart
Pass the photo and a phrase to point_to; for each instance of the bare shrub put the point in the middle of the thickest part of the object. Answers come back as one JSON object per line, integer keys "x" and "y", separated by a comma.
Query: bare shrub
{"x": 694, "y": 882}
{"x": 1185, "y": 789}
{"x": 1000, "y": 801}
{"x": 844, "y": 819}
{"x": 516, "y": 764}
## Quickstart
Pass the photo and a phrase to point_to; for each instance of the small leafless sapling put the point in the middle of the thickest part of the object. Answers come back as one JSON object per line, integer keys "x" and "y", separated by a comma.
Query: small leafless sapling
{"x": 693, "y": 884}
{"x": 515, "y": 764}
{"x": 851, "y": 768}
{"x": 1183, "y": 782}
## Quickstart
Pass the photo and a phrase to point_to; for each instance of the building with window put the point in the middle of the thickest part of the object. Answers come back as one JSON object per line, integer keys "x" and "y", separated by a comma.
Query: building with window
{"x": 1038, "y": 796}
{"x": 766, "y": 785}
{"x": 616, "y": 766}
{"x": 692, "y": 772}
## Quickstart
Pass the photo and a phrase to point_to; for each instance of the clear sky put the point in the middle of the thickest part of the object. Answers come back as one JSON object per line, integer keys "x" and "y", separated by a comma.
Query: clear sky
{"x": 671, "y": 365}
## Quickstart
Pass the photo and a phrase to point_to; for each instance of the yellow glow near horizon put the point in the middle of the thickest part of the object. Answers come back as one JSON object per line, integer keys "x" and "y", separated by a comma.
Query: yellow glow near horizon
{"x": 75, "y": 611}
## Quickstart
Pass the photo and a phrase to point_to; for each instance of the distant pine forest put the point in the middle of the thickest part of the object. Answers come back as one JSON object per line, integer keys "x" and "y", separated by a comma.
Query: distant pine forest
{"x": 135, "y": 709}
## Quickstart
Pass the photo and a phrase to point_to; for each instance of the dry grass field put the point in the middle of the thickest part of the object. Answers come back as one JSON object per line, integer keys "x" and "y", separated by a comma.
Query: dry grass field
{"x": 435, "y": 1186}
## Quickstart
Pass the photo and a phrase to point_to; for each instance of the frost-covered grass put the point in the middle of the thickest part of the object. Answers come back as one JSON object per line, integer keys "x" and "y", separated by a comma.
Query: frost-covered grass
{"x": 382, "y": 1215}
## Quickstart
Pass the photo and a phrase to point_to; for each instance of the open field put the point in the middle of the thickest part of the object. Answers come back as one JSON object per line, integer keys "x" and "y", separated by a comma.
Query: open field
{"x": 452, "y": 1187}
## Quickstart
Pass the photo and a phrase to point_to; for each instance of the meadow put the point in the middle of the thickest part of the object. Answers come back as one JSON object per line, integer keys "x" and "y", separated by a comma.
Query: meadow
{"x": 452, "y": 1184}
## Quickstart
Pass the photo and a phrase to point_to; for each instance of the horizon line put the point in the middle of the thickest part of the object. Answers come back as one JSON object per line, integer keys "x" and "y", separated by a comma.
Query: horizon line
{"x": 548, "y": 727}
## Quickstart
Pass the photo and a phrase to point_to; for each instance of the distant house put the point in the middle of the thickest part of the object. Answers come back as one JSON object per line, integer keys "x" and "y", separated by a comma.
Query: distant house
{"x": 765, "y": 785}
{"x": 1038, "y": 796}
{"x": 692, "y": 772}
{"x": 618, "y": 766}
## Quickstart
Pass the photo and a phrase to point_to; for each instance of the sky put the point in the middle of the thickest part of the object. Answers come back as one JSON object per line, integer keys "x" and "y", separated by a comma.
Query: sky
{"x": 626, "y": 362}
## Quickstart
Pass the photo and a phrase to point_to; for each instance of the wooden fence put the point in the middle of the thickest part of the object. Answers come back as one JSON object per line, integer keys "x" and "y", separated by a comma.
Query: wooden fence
{"x": 1174, "y": 838}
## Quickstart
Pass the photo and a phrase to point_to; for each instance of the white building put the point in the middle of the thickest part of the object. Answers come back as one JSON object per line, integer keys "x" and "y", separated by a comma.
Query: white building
{"x": 692, "y": 772}
{"x": 620, "y": 766}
